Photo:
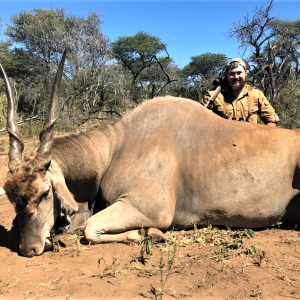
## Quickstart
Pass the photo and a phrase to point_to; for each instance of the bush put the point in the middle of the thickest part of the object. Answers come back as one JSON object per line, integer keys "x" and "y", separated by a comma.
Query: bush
{"x": 3, "y": 109}
{"x": 287, "y": 107}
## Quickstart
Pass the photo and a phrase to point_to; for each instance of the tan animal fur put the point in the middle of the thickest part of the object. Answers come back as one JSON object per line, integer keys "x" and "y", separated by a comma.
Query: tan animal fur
{"x": 169, "y": 163}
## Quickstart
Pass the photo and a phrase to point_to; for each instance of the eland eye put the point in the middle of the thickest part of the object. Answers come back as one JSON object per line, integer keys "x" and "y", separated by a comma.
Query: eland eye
{"x": 45, "y": 194}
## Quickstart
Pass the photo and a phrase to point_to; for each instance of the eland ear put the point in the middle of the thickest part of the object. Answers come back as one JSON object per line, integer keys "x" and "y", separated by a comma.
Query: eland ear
{"x": 67, "y": 204}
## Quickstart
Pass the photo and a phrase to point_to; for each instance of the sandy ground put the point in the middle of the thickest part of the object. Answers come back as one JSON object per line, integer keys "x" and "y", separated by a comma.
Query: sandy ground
{"x": 205, "y": 263}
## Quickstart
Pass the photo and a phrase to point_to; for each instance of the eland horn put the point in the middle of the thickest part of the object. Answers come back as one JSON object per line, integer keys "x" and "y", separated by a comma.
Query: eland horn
{"x": 16, "y": 145}
{"x": 43, "y": 156}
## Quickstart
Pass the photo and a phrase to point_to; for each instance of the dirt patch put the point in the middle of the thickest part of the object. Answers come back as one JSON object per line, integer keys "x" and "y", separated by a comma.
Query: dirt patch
{"x": 204, "y": 263}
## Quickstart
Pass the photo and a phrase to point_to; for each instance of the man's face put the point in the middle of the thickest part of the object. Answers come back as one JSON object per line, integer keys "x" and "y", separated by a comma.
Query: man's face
{"x": 236, "y": 78}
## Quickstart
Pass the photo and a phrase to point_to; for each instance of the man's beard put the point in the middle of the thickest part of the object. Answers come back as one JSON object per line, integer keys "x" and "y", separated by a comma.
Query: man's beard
{"x": 236, "y": 87}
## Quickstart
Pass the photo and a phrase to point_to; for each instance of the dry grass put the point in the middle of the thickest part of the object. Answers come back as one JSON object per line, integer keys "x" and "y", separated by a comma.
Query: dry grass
{"x": 162, "y": 260}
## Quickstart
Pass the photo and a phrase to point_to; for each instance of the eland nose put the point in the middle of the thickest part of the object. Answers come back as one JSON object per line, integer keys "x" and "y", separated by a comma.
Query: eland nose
{"x": 28, "y": 252}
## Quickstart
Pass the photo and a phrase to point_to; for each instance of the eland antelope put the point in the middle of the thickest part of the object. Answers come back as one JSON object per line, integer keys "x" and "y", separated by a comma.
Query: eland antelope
{"x": 166, "y": 164}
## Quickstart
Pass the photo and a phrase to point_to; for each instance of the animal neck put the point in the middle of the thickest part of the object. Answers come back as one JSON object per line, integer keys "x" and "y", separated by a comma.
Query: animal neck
{"x": 85, "y": 156}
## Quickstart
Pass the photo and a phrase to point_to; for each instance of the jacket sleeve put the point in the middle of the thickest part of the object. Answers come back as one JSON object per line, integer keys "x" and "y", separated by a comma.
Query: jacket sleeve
{"x": 266, "y": 111}
{"x": 206, "y": 98}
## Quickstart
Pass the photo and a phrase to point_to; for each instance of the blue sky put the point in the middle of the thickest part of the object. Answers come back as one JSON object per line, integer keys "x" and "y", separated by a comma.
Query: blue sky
{"x": 189, "y": 28}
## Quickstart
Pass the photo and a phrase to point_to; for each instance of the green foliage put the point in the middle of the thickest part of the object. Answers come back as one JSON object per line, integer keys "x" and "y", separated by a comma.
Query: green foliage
{"x": 2, "y": 145}
{"x": 277, "y": 225}
{"x": 3, "y": 108}
{"x": 40, "y": 30}
{"x": 137, "y": 51}
{"x": 141, "y": 56}
{"x": 238, "y": 238}
{"x": 288, "y": 109}
{"x": 146, "y": 245}
{"x": 274, "y": 45}
{"x": 19, "y": 63}
{"x": 95, "y": 86}
{"x": 259, "y": 256}
{"x": 30, "y": 130}
{"x": 251, "y": 249}
{"x": 168, "y": 266}
{"x": 288, "y": 31}
{"x": 4, "y": 48}
{"x": 44, "y": 34}
{"x": 205, "y": 65}
{"x": 198, "y": 75}
{"x": 47, "y": 32}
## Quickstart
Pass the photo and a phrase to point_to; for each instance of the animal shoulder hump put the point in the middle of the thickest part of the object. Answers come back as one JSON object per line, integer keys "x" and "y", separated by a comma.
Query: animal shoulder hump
{"x": 166, "y": 103}
{"x": 163, "y": 109}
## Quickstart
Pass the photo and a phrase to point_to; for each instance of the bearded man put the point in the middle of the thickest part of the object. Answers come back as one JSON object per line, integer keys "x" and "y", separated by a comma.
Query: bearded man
{"x": 240, "y": 101}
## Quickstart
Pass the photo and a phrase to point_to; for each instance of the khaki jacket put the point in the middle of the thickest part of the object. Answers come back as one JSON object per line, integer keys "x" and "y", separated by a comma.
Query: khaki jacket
{"x": 247, "y": 107}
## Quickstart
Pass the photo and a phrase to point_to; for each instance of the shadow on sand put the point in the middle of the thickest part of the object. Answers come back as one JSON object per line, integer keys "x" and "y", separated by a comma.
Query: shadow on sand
{"x": 10, "y": 238}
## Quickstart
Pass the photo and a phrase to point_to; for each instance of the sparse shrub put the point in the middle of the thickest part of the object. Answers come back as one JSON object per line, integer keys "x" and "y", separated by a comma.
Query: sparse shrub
{"x": 1, "y": 145}
{"x": 288, "y": 109}
{"x": 27, "y": 130}
{"x": 3, "y": 108}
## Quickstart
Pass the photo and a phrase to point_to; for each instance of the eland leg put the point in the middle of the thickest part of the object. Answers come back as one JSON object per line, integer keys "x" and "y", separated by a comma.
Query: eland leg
{"x": 121, "y": 222}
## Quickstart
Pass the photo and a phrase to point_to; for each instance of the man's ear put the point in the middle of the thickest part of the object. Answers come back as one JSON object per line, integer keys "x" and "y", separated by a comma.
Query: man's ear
{"x": 67, "y": 204}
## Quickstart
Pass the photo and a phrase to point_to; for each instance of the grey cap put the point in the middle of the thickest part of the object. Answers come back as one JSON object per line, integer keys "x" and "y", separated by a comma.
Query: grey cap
{"x": 237, "y": 61}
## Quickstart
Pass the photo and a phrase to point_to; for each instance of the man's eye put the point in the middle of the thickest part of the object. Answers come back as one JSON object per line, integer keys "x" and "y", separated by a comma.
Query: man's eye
{"x": 45, "y": 194}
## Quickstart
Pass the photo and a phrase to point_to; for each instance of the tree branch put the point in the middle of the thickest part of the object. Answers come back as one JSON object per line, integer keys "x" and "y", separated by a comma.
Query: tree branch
{"x": 21, "y": 122}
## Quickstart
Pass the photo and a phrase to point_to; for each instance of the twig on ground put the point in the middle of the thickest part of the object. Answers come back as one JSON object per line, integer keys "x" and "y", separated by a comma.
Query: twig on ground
{"x": 194, "y": 256}
{"x": 288, "y": 296}
{"x": 41, "y": 295}
{"x": 113, "y": 274}
{"x": 208, "y": 258}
